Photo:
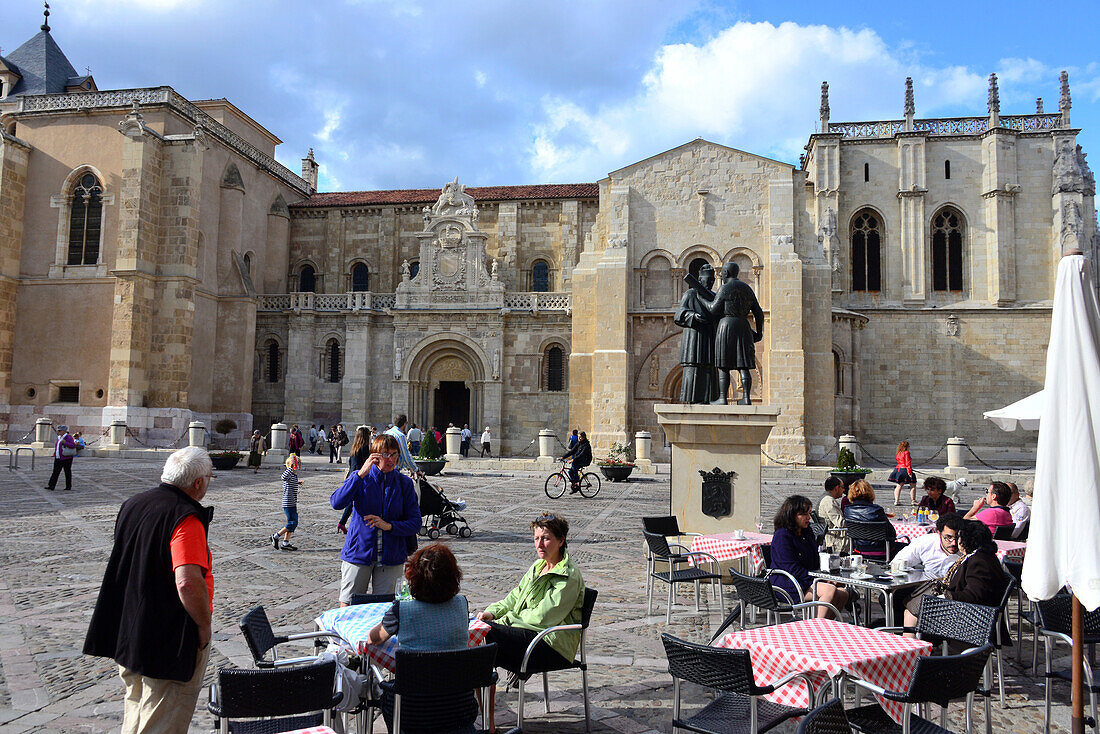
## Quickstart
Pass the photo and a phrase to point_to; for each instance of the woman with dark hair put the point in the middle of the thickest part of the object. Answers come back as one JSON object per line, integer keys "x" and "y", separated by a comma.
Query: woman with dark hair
{"x": 861, "y": 507}
{"x": 360, "y": 450}
{"x": 551, "y": 593}
{"x": 794, "y": 550}
{"x": 386, "y": 513}
{"x": 976, "y": 578}
{"x": 437, "y": 617}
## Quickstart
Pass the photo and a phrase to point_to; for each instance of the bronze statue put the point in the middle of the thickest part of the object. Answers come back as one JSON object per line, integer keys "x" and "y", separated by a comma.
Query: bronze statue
{"x": 734, "y": 340}
{"x": 699, "y": 382}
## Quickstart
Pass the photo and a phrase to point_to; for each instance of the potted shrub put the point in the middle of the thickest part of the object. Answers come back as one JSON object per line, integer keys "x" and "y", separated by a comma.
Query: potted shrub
{"x": 430, "y": 459}
{"x": 847, "y": 470}
{"x": 618, "y": 465}
{"x": 227, "y": 458}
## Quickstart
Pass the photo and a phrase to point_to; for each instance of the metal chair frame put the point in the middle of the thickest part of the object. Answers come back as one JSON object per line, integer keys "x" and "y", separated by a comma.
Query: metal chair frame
{"x": 260, "y": 638}
{"x": 274, "y": 693}
{"x": 751, "y": 589}
{"x": 870, "y": 532}
{"x": 664, "y": 551}
{"x": 453, "y": 666}
{"x": 668, "y": 526}
{"x": 1053, "y": 618}
{"x": 828, "y": 718}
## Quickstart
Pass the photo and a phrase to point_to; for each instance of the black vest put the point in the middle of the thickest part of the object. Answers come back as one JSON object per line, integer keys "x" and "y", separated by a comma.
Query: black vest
{"x": 139, "y": 620}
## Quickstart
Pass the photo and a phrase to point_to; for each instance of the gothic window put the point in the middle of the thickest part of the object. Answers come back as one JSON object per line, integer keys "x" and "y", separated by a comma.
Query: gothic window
{"x": 414, "y": 268}
{"x": 947, "y": 169}
{"x": 555, "y": 369}
{"x": 866, "y": 171}
{"x": 85, "y": 219}
{"x": 332, "y": 362}
{"x": 838, "y": 374}
{"x": 866, "y": 239}
{"x": 271, "y": 358}
{"x": 947, "y": 250}
{"x": 360, "y": 277}
{"x": 658, "y": 290}
{"x": 540, "y": 277}
{"x": 307, "y": 279}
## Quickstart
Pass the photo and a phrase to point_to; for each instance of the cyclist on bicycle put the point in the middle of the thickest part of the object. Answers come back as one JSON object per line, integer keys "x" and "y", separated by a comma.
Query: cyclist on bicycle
{"x": 582, "y": 457}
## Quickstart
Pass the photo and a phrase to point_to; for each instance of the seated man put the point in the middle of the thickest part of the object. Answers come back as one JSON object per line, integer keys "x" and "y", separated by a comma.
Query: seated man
{"x": 829, "y": 510}
{"x": 992, "y": 510}
{"x": 935, "y": 499}
{"x": 933, "y": 553}
{"x": 1021, "y": 513}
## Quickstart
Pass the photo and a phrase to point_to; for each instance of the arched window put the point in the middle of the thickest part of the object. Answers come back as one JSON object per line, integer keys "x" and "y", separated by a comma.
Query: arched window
{"x": 658, "y": 290}
{"x": 247, "y": 263}
{"x": 414, "y": 268}
{"x": 947, "y": 250}
{"x": 272, "y": 361}
{"x": 85, "y": 220}
{"x": 555, "y": 369}
{"x": 307, "y": 279}
{"x": 696, "y": 264}
{"x": 838, "y": 374}
{"x": 360, "y": 277}
{"x": 540, "y": 277}
{"x": 331, "y": 362}
{"x": 866, "y": 238}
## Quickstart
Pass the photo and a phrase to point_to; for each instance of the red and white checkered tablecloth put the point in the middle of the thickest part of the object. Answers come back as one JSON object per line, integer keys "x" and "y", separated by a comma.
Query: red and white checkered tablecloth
{"x": 823, "y": 648}
{"x": 1010, "y": 549}
{"x": 353, "y": 623}
{"x": 311, "y": 730}
{"x": 725, "y": 547}
{"x": 912, "y": 530}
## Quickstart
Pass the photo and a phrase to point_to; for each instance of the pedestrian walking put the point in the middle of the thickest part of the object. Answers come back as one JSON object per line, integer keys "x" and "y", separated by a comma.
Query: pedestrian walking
{"x": 153, "y": 613}
{"x": 341, "y": 441}
{"x": 415, "y": 436}
{"x": 65, "y": 449}
{"x": 486, "y": 438}
{"x": 280, "y": 540}
{"x": 296, "y": 441}
{"x": 312, "y": 438}
{"x": 467, "y": 436}
{"x": 322, "y": 441}
{"x": 255, "y": 451}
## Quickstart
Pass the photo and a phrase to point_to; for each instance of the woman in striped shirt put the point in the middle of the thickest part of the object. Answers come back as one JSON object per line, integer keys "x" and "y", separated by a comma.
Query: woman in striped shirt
{"x": 281, "y": 539}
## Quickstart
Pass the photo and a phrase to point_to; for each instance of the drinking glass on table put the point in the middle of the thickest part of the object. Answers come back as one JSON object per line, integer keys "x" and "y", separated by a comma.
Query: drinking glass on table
{"x": 759, "y": 523}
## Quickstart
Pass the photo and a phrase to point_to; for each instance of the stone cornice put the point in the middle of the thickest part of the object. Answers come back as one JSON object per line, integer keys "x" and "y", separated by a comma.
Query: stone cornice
{"x": 8, "y": 138}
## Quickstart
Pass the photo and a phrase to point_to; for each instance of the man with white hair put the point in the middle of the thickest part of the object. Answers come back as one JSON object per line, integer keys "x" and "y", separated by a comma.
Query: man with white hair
{"x": 156, "y": 624}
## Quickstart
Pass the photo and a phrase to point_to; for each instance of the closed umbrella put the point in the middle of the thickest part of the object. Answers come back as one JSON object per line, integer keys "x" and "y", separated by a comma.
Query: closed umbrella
{"x": 1024, "y": 413}
{"x": 1065, "y": 514}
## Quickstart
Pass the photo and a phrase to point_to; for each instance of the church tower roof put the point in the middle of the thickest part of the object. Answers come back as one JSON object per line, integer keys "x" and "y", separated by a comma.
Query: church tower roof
{"x": 42, "y": 66}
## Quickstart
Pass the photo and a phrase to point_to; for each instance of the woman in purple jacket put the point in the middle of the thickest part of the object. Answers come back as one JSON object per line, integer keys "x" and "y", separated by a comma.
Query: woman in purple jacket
{"x": 386, "y": 516}
{"x": 794, "y": 550}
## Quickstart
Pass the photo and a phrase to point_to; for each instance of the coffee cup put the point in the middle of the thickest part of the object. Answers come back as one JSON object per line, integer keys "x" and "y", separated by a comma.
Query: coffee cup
{"x": 823, "y": 561}
{"x": 739, "y": 534}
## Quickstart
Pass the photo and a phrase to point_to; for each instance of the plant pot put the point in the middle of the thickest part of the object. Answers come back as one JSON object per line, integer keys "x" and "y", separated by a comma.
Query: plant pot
{"x": 431, "y": 467}
{"x": 616, "y": 473}
{"x": 847, "y": 477}
{"x": 225, "y": 463}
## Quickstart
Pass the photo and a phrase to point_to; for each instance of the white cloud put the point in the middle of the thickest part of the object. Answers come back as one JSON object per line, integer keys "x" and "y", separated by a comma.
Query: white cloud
{"x": 332, "y": 123}
{"x": 480, "y": 78}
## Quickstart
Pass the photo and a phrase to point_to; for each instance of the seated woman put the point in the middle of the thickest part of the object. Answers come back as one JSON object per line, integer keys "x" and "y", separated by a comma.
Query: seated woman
{"x": 794, "y": 550}
{"x": 861, "y": 507}
{"x": 551, "y": 593}
{"x": 976, "y": 578}
{"x": 437, "y": 617}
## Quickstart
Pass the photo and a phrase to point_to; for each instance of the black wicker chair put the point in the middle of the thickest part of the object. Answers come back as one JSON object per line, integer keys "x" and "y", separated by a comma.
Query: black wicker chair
{"x": 666, "y": 525}
{"x": 434, "y": 691}
{"x": 662, "y": 551}
{"x": 737, "y": 707}
{"x": 372, "y": 598}
{"x": 937, "y": 679}
{"x": 290, "y": 698}
{"x": 261, "y": 638}
{"x": 1015, "y": 567}
{"x": 871, "y": 532}
{"x": 580, "y": 663}
{"x": 758, "y": 592}
{"x": 1001, "y": 636}
{"x": 1004, "y": 532}
{"x": 1054, "y": 617}
{"x": 828, "y": 718}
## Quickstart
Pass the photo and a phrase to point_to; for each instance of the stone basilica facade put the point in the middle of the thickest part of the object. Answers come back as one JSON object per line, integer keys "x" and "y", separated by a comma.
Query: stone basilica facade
{"x": 157, "y": 265}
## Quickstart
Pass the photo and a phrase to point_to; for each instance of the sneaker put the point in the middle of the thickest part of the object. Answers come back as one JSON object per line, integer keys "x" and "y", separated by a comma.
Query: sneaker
{"x": 342, "y": 528}
{"x": 275, "y": 541}
{"x": 287, "y": 546}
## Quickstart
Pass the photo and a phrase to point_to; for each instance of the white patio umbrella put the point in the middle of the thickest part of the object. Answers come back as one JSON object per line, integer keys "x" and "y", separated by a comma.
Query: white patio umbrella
{"x": 1063, "y": 540}
{"x": 1024, "y": 413}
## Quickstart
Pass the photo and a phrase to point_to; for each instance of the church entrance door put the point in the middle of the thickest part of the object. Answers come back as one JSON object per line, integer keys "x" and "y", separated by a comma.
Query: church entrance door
{"x": 452, "y": 404}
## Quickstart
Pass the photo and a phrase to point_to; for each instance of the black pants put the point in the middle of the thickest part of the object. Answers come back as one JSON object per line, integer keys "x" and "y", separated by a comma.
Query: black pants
{"x": 464, "y": 448}
{"x": 512, "y": 643}
{"x": 60, "y": 465}
{"x": 331, "y": 452}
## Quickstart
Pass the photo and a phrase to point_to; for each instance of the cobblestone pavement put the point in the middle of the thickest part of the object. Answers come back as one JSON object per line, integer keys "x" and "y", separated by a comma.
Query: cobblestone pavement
{"x": 56, "y": 545}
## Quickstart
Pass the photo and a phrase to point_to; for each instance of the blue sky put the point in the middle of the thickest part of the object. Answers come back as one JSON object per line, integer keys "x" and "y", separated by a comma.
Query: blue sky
{"x": 411, "y": 94}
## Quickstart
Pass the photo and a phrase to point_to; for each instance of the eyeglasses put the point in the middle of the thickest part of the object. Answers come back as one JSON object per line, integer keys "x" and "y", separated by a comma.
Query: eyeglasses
{"x": 392, "y": 455}
{"x": 546, "y": 517}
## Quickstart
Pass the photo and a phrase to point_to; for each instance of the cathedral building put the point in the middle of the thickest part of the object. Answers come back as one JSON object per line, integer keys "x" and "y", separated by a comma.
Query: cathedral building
{"x": 157, "y": 265}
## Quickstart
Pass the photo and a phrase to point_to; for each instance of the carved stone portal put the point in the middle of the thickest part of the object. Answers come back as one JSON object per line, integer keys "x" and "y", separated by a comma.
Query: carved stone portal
{"x": 717, "y": 495}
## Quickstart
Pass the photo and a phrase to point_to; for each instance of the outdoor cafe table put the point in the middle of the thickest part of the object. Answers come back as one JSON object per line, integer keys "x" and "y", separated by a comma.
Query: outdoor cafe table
{"x": 353, "y": 623}
{"x": 911, "y": 530}
{"x": 726, "y": 547}
{"x": 1010, "y": 549}
{"x": 825, "y": 649}
{"x": 877, "y": 580}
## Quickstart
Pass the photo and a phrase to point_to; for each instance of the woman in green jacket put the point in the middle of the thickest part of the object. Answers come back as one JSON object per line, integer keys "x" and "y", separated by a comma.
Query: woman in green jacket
{"x": 551, "y": 593}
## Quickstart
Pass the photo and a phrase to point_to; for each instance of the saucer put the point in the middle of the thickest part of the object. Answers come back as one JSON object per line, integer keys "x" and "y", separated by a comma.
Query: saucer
{"x": 861, "y": 575}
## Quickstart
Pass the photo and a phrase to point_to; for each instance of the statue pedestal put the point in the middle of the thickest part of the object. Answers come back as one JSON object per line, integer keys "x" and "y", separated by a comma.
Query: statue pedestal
{"x": 705, "y": 437}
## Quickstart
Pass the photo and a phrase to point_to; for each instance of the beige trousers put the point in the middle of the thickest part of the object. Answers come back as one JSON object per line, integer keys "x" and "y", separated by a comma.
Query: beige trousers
{"x": 159, "y": 706}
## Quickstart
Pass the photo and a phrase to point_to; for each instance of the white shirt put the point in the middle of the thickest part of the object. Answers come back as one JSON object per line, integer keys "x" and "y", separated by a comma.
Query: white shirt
{"x": 1021, "y": 513}
{"x": 465, "y": 434}
{"x": 925, "y": 552}
{"x": 415, "y": 434}
{"x": 485, "y": 437}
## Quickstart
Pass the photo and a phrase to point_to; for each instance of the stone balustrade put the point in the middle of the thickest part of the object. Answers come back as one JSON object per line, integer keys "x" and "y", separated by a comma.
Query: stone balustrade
{"x": 534, "y": 302}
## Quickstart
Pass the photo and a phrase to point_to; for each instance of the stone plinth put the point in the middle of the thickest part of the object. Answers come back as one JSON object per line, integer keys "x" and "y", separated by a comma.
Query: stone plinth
{"x": 728, "y": 437}
{"x": 452, "y": 439}
{"x": 196, "y": 433}
{"x": 116, "y": 435}
{"x": 643, "y": 445}
{"x": 278, "y": 450}
{"x": 547, "y": 438}
{"x": 43, "y": 433}
{"x": 955, "y": 466}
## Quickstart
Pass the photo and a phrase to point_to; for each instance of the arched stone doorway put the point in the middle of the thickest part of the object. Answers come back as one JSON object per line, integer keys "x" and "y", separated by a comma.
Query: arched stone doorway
{"x": 447, "y": 380}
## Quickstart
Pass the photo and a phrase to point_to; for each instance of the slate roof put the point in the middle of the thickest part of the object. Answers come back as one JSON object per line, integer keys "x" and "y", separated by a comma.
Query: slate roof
{"x": 42, "y": 65}
{"x": 430, "y": 196}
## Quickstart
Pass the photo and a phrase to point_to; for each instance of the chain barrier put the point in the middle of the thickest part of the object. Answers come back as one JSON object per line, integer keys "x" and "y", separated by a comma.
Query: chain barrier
{"x": 527, "y": 447}
{"x": 809, "y": 461}
{"x": 985, "y": 463}
{"x": 872, "y": 457}
{"x": 97, "y": 439}
{"x": 171, "y": 445}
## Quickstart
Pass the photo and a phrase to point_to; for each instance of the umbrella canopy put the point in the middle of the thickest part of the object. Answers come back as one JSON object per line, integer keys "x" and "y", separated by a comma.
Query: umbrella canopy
{"x": 1064, "y": 538}
{"x": 1024, "y": 413}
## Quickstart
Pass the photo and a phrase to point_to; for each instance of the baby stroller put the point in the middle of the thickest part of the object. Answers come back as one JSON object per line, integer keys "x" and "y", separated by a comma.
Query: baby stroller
{"x": 443, "y": 513}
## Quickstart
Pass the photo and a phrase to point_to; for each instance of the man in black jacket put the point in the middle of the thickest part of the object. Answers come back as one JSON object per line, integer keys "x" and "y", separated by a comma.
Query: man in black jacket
{"x": 582, "y": 457}
{"x": 156, "y": 624}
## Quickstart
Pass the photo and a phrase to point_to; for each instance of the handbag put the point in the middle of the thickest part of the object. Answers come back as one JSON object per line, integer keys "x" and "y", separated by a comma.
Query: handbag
{"x": 69, "y": 451}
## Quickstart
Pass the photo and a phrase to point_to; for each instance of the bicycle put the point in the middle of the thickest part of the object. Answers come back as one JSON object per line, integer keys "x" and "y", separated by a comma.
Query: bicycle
{"x": 559, "y": 481}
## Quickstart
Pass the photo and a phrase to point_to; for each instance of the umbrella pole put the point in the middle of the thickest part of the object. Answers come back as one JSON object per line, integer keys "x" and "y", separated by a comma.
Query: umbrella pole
{"x": 1077, "y": 720}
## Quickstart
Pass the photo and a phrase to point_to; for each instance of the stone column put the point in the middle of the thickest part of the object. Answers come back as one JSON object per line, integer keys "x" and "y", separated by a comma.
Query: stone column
{"x": 643, "y": 445}
{"x": 14, "y": 157}
{"x": 999, "y": 189}
{"x": 453, "y": 440}
{"x": 546, "y": 447}
{"x": 278, "y": 448}
{"x": 116, "y": 437}
{"x": 848, "y": 441}
{"x": 354, "y": 388}
{"x": 43, "y": 433}
{"x": 196, "y": 433}
{"x": 301, "y": 368}
{"x": 955, "y": 466}
{"x": 911, "y": 196}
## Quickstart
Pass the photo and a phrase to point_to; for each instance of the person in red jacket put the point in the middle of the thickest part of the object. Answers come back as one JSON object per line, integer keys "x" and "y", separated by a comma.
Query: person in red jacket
{"x": 903, "y": 474}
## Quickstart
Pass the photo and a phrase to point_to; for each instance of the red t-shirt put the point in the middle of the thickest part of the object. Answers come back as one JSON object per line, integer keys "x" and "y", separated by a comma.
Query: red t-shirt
{"x": 188, "y": 545}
